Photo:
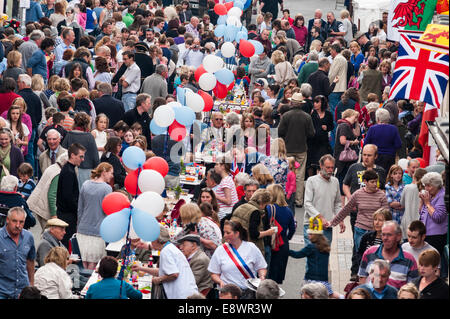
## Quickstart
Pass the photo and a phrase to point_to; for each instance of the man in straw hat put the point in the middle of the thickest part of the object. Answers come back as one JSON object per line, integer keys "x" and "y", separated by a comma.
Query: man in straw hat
{"x": 52, "y": 236}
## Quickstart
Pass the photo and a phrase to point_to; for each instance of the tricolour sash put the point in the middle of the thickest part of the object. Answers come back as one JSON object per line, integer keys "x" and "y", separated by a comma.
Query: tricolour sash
{"x": 238, "y": 261}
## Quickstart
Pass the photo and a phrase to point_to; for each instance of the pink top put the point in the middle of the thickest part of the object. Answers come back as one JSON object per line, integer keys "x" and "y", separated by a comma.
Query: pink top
{"x": 225, "y": 209}
{"x": 82, "y": 17}
{"x": 291, "y": 184}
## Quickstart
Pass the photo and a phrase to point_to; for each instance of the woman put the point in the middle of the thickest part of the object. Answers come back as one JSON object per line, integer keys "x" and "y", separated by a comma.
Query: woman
{"x": 394, "y": 189}
{"x": 408, "y": 291}
{"x": 359, "y": 293}
{"x": 371, "y": 80}
{"x": 226, "y": 191}
{"x": 113, "y": 147}
{"x": 110, "y": 287}
{"x": 59, "y": 14}
{"x": 433, "y": 211}
{"x": 277, "y": 163}
{"x": 102, "y": 73}
{"x": 7, "y": 94}
{"x": 91, "y": 215}
{"x": 271, "y": 93}
{"x": 209, "y": 232}
{"x": 249, "y": 130}
{"x": 301, "y": 32}
{"x": 349, "y": 100}
{"x": 76, "y": 72}
{"x": 319, "y": 144}
{"x": 262, "y": 174}
{"x": 38, "y": 86}
{"x": 385, "y": 68}
{"x": 61, "y": 84}
{"x": 283, "y": 69}
{"x": 430, "y": 285}
{"x": 386, "y": 137}
{"x": 107, "y": 13}
{"x": 19, "y": 130}
{"x": 14, "y": 61}
{"x": 347, "y": 24}
{"x": 10, "y": 155}
{"x": 280, "y": 211}
{"x": 81, "y": 134}
{"x": 52, "y": 279}
{"x": 357, "y": 57}
{"x": 224, "y": 270}
{"x": 345, "y": 135}
{"x": 207, "y": 195}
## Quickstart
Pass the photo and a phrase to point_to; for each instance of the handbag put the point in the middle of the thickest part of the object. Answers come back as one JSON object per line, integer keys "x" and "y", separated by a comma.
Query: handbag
{"x": 276, "y": 240}
{"x": 348, "y": 154}
{"x": 158, "y": 292}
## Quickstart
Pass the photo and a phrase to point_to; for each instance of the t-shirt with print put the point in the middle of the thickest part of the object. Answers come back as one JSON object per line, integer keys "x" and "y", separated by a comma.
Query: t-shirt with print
{"x": 225, "y": 209}
{"x": 353, "y": 178}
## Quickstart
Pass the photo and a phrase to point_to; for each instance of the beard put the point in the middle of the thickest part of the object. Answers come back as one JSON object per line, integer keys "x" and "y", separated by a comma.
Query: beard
{"x": 325, "y": 174}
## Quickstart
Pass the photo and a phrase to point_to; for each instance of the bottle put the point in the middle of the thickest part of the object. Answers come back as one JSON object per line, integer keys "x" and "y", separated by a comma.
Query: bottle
{"x": 174, "y": 223}
{"x": 150, "y": 262}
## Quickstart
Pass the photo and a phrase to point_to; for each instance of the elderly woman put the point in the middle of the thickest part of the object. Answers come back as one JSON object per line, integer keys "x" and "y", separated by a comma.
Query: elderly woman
{"x": 225, "y": 271}
{"x": 52, "y": 279}
{"x": 314, "y": 290}
{"x": 14, "y": 61}
{"x": 277, "y": 163}
{"x": 386, "y": 137}
{"x": 10, "y": 155}
{"x": 371, "y": 80}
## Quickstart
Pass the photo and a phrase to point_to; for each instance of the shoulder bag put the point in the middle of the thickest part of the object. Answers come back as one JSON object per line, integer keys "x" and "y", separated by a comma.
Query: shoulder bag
{"x": 348, "y": 154}
{"x": 276, "y": 240}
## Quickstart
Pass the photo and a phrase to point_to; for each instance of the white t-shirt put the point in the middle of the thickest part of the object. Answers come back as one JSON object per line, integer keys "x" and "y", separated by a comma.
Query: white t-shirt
{"x": 416, "y": 252}
{"x": 222, "y": 264}
{"x": 174, "y": 262}
{"x": 25, "y": 129}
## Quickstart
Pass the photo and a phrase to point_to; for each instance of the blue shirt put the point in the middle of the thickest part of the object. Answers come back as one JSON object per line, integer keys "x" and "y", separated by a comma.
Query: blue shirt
{"x": 38, "y": 64}
{"x": 386, "y": 137}
{"x": 34, "y": 12}
{"x": 388, "y": 292}
{"x": 108, "y": 288}
{"x": 59, "y": 50}
{"x": 13, "y": 262}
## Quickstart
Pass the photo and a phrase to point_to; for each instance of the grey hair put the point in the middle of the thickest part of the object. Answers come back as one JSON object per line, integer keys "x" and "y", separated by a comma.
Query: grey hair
{"x": 313, "y": 56}
{"x": 63, "y": 158}
{"x": 398, "y": 228}
{"x": 326, "y": 157}
{"x": 250, "y": 182}
{"x": 315, "y": 290}
{"x": 105, "y": 88}
{"x": 433, "y": 179}
{"x": 25, "y": 78}
{"x": 306, "y": 90}
{"x": 386, "y": 90}
{"x": 372, "y": 106}
{"x": 413, "y": 160}
{"x": 37, "y": 35}
{"x": 16, "y": 209}
{"x": 241, "y": 178}
{"x": 233, "y": 119}
{"x": 9, "y": 183}
{"x": 160, "y": 69}
{"x": 382, "y": 116}
{"x": 53, "y": 131}
{"x": 381, "y": 263}
{"x": 268, "y": 289}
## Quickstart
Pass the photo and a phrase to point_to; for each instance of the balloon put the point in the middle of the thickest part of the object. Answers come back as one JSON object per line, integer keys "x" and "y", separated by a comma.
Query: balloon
{"x": 220, "y": 9}
{"x": 207, "y": 82}
{"x": 177, "y": 131}
{"x": 234, "y": 12}
{"x": 184, "y": 115}
{"x": 239, "y": 4}
{"x": 149, "y": 202}
{"x": 195, "y": 102}
{"x": 246, "y": 48}
{"x": 158, "y": 164}
{"x": 209, "y": 102}
{"x": 151, "y": 181}
{"x": 227, "y": 50}
{"x": 259, "y": 48}
{"x": 114, "y": 202}
{"x": 198, "y": 73}
{"x": 219, "y": 31}
{"x": 145, "y": 225}
{"x": 174, "y": 104}
{"x": 231, "y": 86}
{"x": 115, "y": 226}
{"x": 131, "y": 183}
{"x": 241, "y": 35}
{"x": 224, "y": 76}
{"x": 229, "y": 5}
{"x": 164, "y": 116}
{"x": 220, "y": 91}
{"x": 222, "y": 20}
{"x": 180, "y": 95}
{"x": 403, "y": 163}
{"x": 133, "y": 157}
{"x": 422, "y": 162}
{"x": 157, "y": 130}
{"x": 233, "y": 21}
{"x": 212, "y": 63}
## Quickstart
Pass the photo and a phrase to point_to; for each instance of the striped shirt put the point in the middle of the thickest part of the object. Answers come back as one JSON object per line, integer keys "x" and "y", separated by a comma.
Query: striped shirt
{"x": 225, "y": 209}
{"x": 403, "y": 267}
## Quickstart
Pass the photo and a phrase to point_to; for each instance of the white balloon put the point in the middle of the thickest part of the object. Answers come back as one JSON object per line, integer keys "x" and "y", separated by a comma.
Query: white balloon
{"x": 207, "y": 81}
{"x": 228, "y": 49}
{"x": 174, "y": 104}
{"x": 403, "y": 163}
{"x": 234, "y": 12}
{"x": 233, "y": 20}
{"x": 151, "y": 181}
{"x": 195, "y": 101}
{"x": 212, "y": 63}
{"x": 150, "y": 202}
{"x": 164, "y": 115}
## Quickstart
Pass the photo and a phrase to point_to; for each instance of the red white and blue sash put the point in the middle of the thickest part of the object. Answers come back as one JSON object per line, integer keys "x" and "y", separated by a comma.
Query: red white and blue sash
{"x": 238, "y": 261}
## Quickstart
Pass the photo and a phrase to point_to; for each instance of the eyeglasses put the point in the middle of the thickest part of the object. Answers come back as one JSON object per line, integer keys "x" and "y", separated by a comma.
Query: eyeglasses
{"x": 218, "y": 119}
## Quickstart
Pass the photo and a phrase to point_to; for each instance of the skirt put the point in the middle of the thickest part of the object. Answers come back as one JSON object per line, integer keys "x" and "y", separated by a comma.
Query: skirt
{"x": 92, "y": 248}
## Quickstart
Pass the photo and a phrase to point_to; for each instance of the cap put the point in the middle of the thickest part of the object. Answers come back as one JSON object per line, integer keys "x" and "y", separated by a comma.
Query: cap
{"x": 297, "y": 97}
{"x": 141, "y": 46}
{"x": 191, "y": 237}
{"x": 359, "y": 34}
{"x": 262, "y": 82}
{"x": 56, "y": 222}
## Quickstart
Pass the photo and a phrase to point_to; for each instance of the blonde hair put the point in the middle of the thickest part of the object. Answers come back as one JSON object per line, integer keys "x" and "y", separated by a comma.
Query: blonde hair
{"x": 262, "y": 174}
{"x": 315, "y": 44}
{"x": 20, "y": 102}
{"x": 349, "y": 113}
{"x": 102, "y": 167}
{"x": 57, "y": 255}
{"x": 190, "y": 213}
{"x": 82, "y": 93}
{"x": 278, "y": 146}
{"x": 291, "y": 162}
{"x": 277, "y": 56}
{"x": 411, "y": 288}
{"x": 14, "y": 59}
{"x": 345, "y": 14}
{"x": 62, "y": 84}
{"x": 277, "y": 194}
{"x": 37, "y": 82}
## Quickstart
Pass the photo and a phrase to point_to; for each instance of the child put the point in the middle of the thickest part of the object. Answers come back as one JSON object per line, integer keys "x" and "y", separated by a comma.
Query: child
{"x": 318, "y": 254}
{"x": 57, "y": 124}
{"x": 81, "y": 12}
{"x": 136, "y": 129}
{"x": 242, "y": 77}
{"x": 291, "y": 183}
{"x": 26, "y": 183}
{"x": 286, "y": 16}
{"x": 99, "y": 133}
{"x": 128, "y": 138}
{"x": 394, "y": 190}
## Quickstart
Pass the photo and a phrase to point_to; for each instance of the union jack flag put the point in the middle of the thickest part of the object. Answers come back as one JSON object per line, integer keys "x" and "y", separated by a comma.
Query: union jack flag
{"x": 419, "y": 74}
{"x": 235, "y": 168}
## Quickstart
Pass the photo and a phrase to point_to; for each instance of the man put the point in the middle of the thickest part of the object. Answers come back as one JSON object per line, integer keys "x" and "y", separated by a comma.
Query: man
{"x": 107, "y": 28}
{"x": 377, "y": 287}
{"x": 110, "y": 106}
{"x": 56, "y": 229}
{"x": 265, "y": 41}
{"x": 193, "y": 56}
{"x": 271, "y": 6}
{"x": 363, "y": 42}
{"x": 338, "y": 69}
{"x": 317, "y": 16}
{"x": 29, "y": 47}
{"x": 230, "y": 291}
{"x": 286, "y": 26}
{"x": 403, "y": 264}
{"x": 215, "y": 133}
{"x": 391, "y": 106}
{"x": 310, "y": 67}
{"x": 130, "y": 81}
{"x": 68, "y": 191}
{"x": 315, "y": 34}
{"x": 322, "y": 197}
{"x": 192, "y": 27}
{"x": 68, "y": 36}
{"x": 149, "y": 37}
{"x": 34, "y": 12}
{"x": 258, "y": 68}
{"x": 319, "y": 80}
{"x": 413, "y": 164}
{"x": 295, "y": 128}
{"x": 156, "y": 84}
{"x": 81, "y": 56}
{"x": 140, "y": 115}
{"x": 198, "y": 261}
{"x": 18, "y": 255}
{"x": 49, "y": 156}
{"x": 37, "y": 64}
{"x": 416, "y": 240}
{"x": 128, "y": 18}
{"x": 250, "y": 187}
{"x": 333, "y": 27}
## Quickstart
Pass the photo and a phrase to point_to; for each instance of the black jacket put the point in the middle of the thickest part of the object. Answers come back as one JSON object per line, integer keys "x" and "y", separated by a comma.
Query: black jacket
{"x": 68, "y": 192}
{"x": 438, "y": 289}
{"x": 320, "y": 84}
{"x": 68, "y": 67}
{"x": 111, "y": 107}
{"x": 119, "y": 171}
{"x": 34, "y": 107}
{"x": 132, "y": 116}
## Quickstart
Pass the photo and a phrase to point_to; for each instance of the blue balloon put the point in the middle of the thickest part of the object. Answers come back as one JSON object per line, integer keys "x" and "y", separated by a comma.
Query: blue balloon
{"x": 145, "y": 225}
{"x": 244, "y": 29}
{"x": 247, "y": 4}
{"x": 220, "y": 30}
{"x": 222, "y": 20}
{"x": 230, "y": 33}
{"x": 157, "y": 130}
{"x": 241, "y": 35}
{"x": 181, "y": 98}
{"x": 259, "y": 48}
{"x": 239, "y": 4}
{"x": 115, "y": 226}
{"x": 133, "y": 157}
{"x": 224, "y": 76}
{"x": 184, "y": 115}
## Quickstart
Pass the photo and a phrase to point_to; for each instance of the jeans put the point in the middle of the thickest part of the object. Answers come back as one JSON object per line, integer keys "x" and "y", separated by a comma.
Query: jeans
{"x": 333, "y": 100}
{"x": 291, "y": 203}
{"x": 129, "y": 101}
{"x": 359, "y": 232}
{"x": 328, "y": 233}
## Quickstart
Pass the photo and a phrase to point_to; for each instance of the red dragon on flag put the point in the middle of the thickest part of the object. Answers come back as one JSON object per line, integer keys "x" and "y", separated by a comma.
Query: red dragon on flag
{"x": 405, "y": 13}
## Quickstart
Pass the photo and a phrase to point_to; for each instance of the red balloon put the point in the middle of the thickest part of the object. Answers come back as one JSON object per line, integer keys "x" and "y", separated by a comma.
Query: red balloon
{"x": 231, "y": 86}
{"x": 220, "y": 91}
{"x": 220, "y": 9}
{"x": 114, "y": 202}
{"x": 229, "y": 5}
{"x": 198, "y": 73}
{"x": 158, "y": 164}
{"x": 208, "y": 100}
{"x": 246, "y": 48}
{"x": 131, "y": 183}
{"x": 422, "y": 162}
{"x": 177, "y": 131}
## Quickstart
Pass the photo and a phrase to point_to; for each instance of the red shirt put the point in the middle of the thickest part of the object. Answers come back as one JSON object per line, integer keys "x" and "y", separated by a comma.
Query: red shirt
{"x": 6, "y": 100}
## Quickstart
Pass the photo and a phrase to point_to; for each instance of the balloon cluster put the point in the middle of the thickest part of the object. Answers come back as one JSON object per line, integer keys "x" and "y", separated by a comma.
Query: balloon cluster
{"x": 147, "y": 181}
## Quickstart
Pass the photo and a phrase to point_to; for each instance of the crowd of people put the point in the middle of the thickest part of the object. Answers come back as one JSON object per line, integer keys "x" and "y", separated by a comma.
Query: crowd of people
{"x": 82, "y": 84}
